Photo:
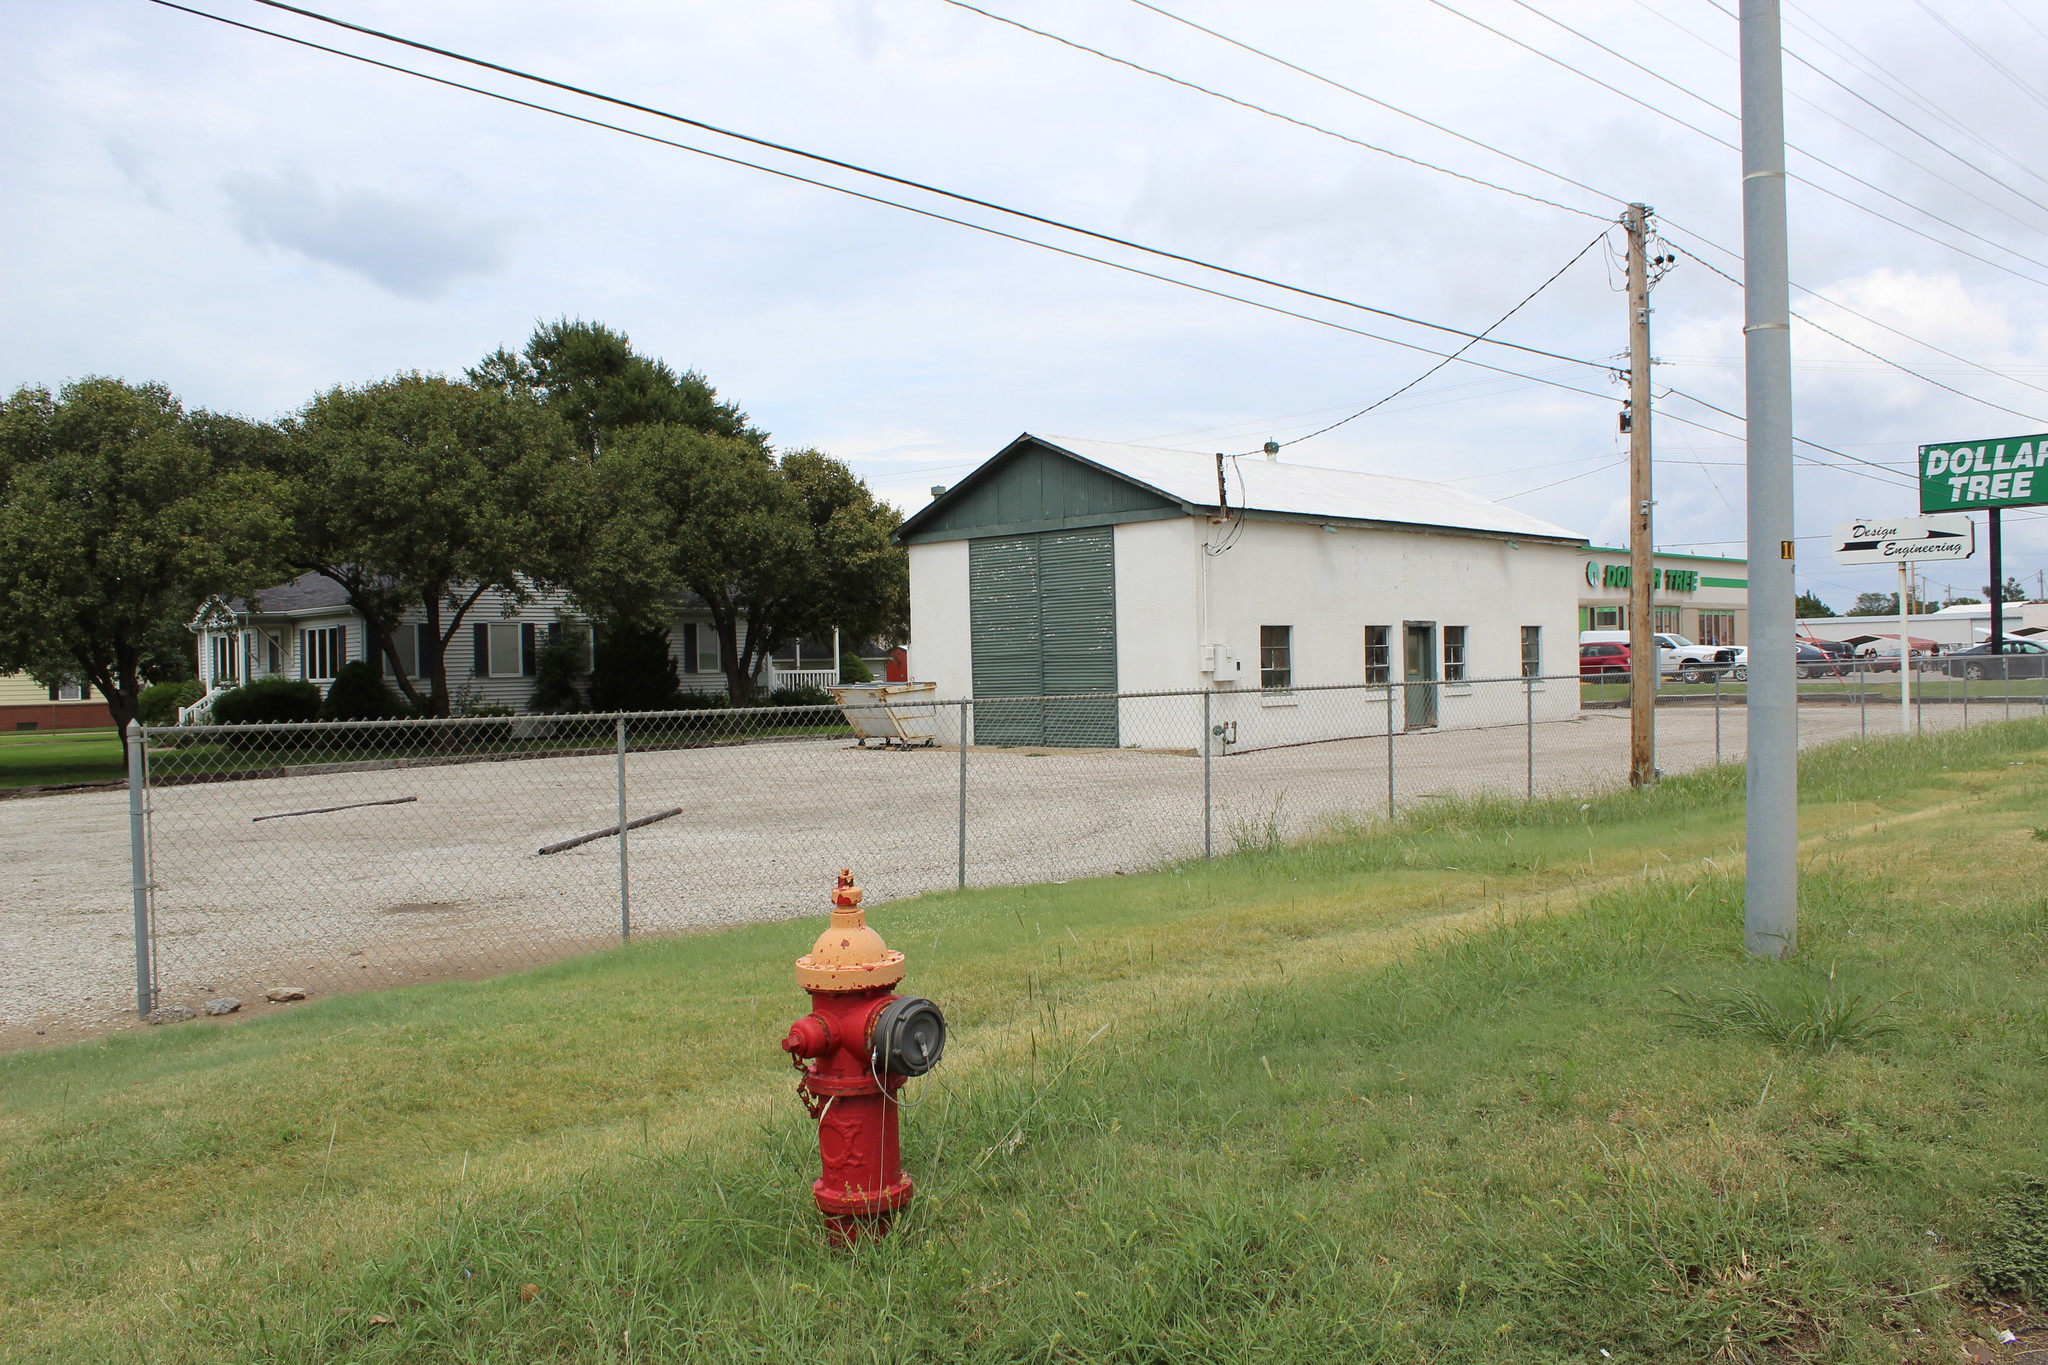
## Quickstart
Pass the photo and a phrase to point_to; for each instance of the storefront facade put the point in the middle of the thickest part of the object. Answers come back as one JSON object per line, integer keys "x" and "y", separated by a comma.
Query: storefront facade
{"x": 1702, "y": 597}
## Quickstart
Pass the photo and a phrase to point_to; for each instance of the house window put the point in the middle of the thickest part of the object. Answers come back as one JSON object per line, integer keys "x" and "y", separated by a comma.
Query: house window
{"x": 1717, "y": 627}
{"x": 706, "y": 651}
{"x": 1276, "y": 656}
{"x": 505, "y": 660}
{"x": 1532, "y": 651}
{"x": 68, "y": 691}
{"x": 1666, "y": 619}
{"x": 273, "y": 648}
{"x": 1379, "y": 655}
{"x": 1454, "y": 654}
{"x": 320, "y": 652}
{"x": 226, "y": 657}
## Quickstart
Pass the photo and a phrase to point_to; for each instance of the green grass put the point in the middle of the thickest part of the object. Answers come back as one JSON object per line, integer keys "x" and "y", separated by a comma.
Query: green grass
{"x": 48, "y": 758}
{"x": 1875, "y": 688}
{"x": 1419, "y": 1092}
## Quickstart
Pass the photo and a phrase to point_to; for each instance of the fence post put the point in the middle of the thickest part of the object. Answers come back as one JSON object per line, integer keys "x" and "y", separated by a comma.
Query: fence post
{"x": 1208, "y": 807}
{"x": 1529, "y": 736}
{"x": 1966, "y": 694}
{"x": 1862, "y": 713}
{"x": 2005, "y": 671}
{"x": 138, "y": 869}
{"x": 966, "y": 716}
{"x": 1390, "y": 746}
{"x": 1717, "y": 718}
{"x": 625, "y": 873}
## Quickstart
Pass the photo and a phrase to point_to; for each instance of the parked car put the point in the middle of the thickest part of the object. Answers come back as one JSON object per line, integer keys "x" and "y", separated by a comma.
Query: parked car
{"x": 1676, "y": 655}
{"x": 1834, "y": 649}
{"x": 1603, "y": 660}
{"x": 2022, "y": 659}
{"x": 1810, "y": 663}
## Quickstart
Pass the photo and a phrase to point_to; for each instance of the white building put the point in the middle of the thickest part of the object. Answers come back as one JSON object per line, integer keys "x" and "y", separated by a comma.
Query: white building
{"x": 1066, "y": 566}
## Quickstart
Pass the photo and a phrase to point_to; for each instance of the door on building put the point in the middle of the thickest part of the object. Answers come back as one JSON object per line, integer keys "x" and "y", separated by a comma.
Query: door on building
{"x": 1042, "y": 614}
{"x": 1418, "y": 671}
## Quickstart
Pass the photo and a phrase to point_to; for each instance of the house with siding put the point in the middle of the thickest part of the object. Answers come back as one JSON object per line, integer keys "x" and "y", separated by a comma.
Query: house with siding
{"x": 26, "y": 704}
{"x": 306, "y": 629}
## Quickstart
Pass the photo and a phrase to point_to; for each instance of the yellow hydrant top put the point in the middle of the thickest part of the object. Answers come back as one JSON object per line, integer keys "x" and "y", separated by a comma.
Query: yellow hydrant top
{"x": 848, "y": 956}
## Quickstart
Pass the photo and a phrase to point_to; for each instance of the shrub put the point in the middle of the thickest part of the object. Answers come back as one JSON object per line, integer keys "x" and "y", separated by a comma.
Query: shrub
{"x": 632, "y": 670}
{"x": 799, "y": 696}
{"x": 159, "y": 702}
{"x": 558, "y": 672}
{"x": 701, "y": 701}
{"x": 854, "y": 669}
{"x": 268, "y": 700}
{"x": 357, "y": 693}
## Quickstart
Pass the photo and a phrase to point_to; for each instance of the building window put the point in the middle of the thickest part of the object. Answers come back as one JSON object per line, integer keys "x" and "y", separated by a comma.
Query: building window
{"x": 1276, "y": 657}
{"x": 320, "y": 652}
{"x": 272, "y": 651}
{"x": 1532, "y": 651}
{"x": 1717, "y": 628}
{"x": 1666, "y": 619}
{"x": 1379, "y": 655}
{"x": 505, "y": 661}
{"x": 226, "y": 657}
{"x": 707, "y": 649}
{"x": 68, "y": 691}
{"x": 1607, "y": 618}
{"x": 1454, "y": 654}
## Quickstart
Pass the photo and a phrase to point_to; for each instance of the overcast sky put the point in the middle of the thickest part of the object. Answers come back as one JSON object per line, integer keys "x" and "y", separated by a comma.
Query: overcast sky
{"x": 252, "y": 222}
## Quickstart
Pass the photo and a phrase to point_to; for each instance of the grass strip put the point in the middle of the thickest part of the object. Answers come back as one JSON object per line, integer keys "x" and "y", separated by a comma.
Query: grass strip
{"x": 1494, "y": 1083}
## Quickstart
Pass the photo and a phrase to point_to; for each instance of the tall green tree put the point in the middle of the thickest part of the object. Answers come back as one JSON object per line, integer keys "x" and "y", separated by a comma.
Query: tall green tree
{"x": 1808, "y": 604}
{"x": 590, "y": 376}
{"x": 422, "y": 491}
{"x": 774, "y": 549}
{"x": 119, "y": 516}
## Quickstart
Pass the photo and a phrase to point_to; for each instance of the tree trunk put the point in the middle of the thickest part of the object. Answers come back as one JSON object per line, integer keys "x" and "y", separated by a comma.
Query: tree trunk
{"x": 739, "y": 683}
{"x": 436, "y": 667}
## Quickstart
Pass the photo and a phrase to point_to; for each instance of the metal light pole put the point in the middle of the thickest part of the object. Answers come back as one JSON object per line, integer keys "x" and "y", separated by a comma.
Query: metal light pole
{"x": 1770, "y": 903}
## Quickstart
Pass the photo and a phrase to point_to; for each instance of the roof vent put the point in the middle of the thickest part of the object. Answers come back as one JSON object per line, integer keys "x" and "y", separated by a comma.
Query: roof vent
{"x": 938, "y": 490}
{"x": 1272, "y": 449}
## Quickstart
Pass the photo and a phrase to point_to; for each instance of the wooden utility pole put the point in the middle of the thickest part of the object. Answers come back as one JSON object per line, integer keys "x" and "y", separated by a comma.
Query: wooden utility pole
{"x": 1642, "y": 563}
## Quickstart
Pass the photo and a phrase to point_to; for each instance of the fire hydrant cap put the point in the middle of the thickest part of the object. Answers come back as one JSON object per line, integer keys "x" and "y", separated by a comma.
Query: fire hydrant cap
{"x": 848, "y": 956}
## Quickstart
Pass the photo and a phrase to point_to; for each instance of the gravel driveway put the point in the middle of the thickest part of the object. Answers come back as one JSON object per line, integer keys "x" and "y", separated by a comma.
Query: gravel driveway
{"x": 451, "y": 883}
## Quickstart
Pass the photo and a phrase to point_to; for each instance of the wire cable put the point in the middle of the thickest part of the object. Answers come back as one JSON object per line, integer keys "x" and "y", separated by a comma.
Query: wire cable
{"x": 1818, "y": 327}
{"x": 1804, "y": 180}
{"x": 857, "y": 169}
{"x": 1814, "y": 156}
{"x": 2000, "y": 67}
{"x": 1577, "y": 184}
{"x": 1270, "y": 113}
{"x": 1458, "y": 354}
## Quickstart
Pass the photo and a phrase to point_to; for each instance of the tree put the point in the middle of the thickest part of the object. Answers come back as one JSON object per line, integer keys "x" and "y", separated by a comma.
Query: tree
{"x": 1808, "y": 604}
{"x": 422, "y": 491}
{"x": 590, "y": 376}
{"x": 1875, "y": 604}
{"x": 776, "y": 550}
{"x": 117, "y": 519}
{"x": 2013, "y": 591}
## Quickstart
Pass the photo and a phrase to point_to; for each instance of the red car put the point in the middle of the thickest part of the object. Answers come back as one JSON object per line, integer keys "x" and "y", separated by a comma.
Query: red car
{"x": 1603, "y": 661}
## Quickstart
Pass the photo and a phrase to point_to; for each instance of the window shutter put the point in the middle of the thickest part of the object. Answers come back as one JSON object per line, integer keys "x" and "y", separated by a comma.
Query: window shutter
{"x": 53, "y": 692}
{"x": 407, "y": 643}
{"x": 480, "y": 641}
{"x": 554, "y": 632}
{"x": 529, "y": 649}
{"x": 690, "y": 647}
{"x": 424, "y": 642}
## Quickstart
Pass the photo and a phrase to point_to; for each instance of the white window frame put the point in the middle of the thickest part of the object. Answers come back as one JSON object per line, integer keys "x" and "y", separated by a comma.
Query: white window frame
{"x": 1532, "y": 665}
{"x": 322, "y": 646}
{"x": 507, "y": 631}
{"x": 1385, "y": 649}
{"x": 1460, "y": 685}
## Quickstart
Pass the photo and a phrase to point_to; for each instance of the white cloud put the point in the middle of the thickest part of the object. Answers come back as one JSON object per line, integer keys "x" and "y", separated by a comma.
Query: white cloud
{"x": 413, "y": 246}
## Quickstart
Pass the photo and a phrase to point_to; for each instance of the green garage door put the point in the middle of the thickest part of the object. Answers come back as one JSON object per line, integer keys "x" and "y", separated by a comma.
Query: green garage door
{"x": 1043, "y": 610}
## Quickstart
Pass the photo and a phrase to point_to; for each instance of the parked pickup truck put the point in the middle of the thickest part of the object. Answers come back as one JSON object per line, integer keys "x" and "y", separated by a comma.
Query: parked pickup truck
{"x": 1676, "y": 656}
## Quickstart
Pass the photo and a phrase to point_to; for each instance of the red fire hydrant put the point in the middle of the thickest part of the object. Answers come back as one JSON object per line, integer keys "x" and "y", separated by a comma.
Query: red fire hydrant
{"x": 854, "y": 1051}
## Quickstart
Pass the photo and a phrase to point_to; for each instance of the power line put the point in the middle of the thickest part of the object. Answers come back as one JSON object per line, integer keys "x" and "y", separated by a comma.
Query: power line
{"x": 1924, "y": 378}
{"x": 1458, "y": 354}
{"x": 1809, "y": 183}
{"x": 1885, "y": 77}
{"x": 1691, "y": 94}
{"x": 1270, "y": 113}
{"x": 1522, "y": 161}
{"x": 921, "y": 212}
{"x": 858, "y": 169}
{"x": 2000, "y": 67}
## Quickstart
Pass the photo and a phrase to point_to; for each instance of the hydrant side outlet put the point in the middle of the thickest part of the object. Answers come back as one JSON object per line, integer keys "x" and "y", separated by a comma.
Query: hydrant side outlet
{"x": 854, "y": 1051}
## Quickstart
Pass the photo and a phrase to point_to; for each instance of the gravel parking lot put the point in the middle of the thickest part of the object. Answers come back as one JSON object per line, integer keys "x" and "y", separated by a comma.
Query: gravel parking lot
{"x": 451, "y": 883}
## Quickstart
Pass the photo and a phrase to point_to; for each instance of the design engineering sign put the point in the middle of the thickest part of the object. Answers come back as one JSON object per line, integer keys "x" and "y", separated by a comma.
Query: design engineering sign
{"x": 2011, "y": 471}
{"x": 1902, "y": 538}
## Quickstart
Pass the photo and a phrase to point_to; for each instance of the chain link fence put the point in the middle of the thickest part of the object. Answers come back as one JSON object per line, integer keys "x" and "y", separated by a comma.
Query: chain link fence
{"x": 340, "y": 856}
